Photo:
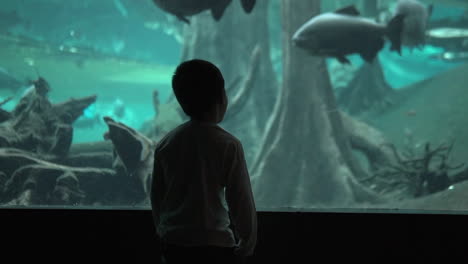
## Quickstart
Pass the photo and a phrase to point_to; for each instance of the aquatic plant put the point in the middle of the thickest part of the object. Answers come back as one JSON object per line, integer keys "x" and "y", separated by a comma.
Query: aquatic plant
{"x": 417, "y": 174}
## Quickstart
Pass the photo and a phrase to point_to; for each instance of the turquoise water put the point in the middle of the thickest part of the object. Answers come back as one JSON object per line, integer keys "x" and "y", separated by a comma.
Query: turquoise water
{"x": 122, "y": 51}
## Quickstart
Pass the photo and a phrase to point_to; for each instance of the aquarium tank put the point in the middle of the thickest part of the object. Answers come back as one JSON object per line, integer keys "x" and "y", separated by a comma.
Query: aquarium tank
{"x": 339, "y": 104}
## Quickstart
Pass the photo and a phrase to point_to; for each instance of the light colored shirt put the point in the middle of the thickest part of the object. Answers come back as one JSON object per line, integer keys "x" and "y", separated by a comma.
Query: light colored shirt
{"x": 200, "y": 184}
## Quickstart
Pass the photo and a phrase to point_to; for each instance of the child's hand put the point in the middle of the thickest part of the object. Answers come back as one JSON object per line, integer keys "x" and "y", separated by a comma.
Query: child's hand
{"x": 239, "y": 259}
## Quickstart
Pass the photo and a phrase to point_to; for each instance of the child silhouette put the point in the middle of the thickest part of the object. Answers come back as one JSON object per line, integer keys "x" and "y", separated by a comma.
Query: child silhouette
{"x": 201, "y": 185}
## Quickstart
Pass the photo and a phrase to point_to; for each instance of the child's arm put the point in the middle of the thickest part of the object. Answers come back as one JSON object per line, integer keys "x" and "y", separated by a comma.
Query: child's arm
{"x": 240, "y": 199}
{"x": 156, "y": 190}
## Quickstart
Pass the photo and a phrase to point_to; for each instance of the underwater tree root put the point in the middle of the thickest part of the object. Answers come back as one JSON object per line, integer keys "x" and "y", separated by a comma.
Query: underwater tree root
{"x": 243, "y": 94}
{"x": 34, "y": 181}
{"x": 367, "y": 140}
{"x": 134, "y": 153}
{"x": 37, "y": 125}
{"x": 39, "y": 169}
{"x": 419, "y": 176}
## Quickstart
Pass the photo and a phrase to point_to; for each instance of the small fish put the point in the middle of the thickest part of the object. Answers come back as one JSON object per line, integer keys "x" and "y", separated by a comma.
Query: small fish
{"x": 415, "y": 23}
{"x": 184, "y": 8}
{"x": 343, "y": 33}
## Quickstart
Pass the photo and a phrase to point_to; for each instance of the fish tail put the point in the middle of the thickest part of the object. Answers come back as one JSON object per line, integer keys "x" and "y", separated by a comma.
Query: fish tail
{"x": 394, "y": 32}
{"x": 248, "y": 5}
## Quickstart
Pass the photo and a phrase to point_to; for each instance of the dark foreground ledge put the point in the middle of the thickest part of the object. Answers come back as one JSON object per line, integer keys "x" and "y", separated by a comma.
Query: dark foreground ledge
{"x": 282, "y": 236}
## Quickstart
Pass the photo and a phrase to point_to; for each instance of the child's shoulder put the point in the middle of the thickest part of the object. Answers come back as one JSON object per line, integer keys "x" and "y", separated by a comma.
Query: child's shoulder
{"x": 231, "y": 138}
{"x": 169, "y": 137}
{"x": 184, "y": 133}
{"x": 221, "y": 134}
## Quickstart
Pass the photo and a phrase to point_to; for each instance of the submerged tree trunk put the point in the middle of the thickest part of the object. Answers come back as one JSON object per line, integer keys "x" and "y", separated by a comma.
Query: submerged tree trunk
{"x": 368, "y": 90}
{"x": 305, "y": 159}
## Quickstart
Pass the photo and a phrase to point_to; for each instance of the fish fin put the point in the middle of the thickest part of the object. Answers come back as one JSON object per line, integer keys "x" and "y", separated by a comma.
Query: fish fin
{"x": 343, "y": 60}
{"x": 218, "y": 11}
{"x": 374, "y": 47}
{"x": 394, "y": 32}
{"x": 350, "y": 10}
{"x": 369, "y": 57}
{"x": 183, "y": 19}
{"x": 248, "y": 5}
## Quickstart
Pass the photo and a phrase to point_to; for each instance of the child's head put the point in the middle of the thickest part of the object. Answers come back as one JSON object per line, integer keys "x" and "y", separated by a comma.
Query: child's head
{"x": 199, "y": 88}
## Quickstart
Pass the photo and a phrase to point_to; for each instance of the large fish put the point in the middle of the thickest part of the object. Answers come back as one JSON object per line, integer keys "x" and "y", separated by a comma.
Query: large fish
{"x": 184, "y": 8}
{"x": 344, "y": 32}
{"x": 415, "y": 22}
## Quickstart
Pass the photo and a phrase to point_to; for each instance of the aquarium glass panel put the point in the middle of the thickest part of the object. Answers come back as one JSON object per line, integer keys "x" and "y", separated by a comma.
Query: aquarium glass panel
{"x": 343, "y": 105}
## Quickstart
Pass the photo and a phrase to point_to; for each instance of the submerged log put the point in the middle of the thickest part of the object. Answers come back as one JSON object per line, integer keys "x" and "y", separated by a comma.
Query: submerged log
{"x": 369, "y": 141}
{"x": 91, "y": 147}
{"x": 4, "y": 115}
{"x": 38, "y": 126}
{"x": 30, "y": 180}
{"x": 134, "y": 151}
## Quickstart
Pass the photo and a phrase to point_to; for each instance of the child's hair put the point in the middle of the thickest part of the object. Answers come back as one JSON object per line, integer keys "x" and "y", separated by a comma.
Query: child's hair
{"x": 198, "y": 85}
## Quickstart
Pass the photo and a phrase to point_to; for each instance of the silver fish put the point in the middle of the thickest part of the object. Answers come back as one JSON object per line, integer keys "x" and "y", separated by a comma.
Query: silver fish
{"x": 344, "y": 32}
{"x": 184, "y": 8}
